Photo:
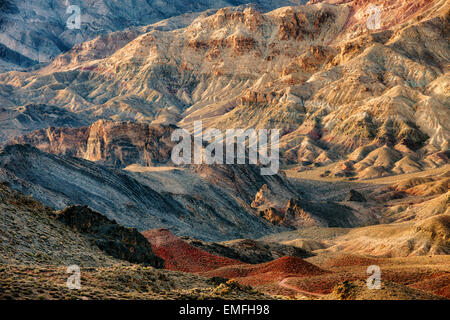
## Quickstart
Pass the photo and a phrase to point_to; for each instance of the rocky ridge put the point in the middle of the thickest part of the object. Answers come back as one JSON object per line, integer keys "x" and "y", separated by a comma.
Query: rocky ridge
{"x": 106, "y": 142}
{"x": 117, "y": 241}
{"x": 28, "y": 225}
{"x": 248, "y": 250}
{"x": 40, "y": 30}
{"x": 178, "y": 199}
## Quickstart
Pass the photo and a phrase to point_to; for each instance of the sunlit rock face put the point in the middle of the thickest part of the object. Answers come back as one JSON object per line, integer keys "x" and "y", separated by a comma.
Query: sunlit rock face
{"x": 339, "y": 92}
{"x": 37, "y": 31}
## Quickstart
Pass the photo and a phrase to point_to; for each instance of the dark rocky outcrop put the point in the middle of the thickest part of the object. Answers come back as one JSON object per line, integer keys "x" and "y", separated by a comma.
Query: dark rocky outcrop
{"x": 120, "y": 242}
{"x": 30, "y": 236}
{"x": 32, "y": 116}
{"x": 354, "y": 195}
{"x": 8, "y": 6}
{"x": 112, "y": 143}
{"x": 274, "y": 216}
{"x": 11, "y": 56}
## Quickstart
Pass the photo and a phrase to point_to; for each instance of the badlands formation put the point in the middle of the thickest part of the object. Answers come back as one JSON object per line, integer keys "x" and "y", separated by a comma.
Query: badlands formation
{"x": 363, "y": 115}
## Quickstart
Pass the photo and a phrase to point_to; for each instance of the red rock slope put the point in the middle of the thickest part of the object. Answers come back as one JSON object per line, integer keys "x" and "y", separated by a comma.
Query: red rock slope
{"x": 268, "y": 272}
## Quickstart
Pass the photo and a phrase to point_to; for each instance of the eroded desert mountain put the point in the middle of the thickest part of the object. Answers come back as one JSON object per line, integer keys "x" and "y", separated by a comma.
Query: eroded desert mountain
{"x": 358, "y": 91}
